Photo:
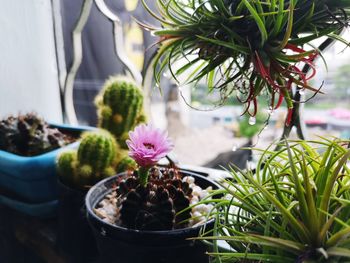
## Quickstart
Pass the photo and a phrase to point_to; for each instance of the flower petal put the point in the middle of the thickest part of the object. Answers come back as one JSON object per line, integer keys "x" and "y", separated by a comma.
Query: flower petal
{"x": 141, "y": 138}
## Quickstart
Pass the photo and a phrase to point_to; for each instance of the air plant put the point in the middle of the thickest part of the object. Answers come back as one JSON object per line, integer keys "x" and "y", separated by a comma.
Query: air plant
{"x": 245, "y": 47}
{"x": 294, "y": 208}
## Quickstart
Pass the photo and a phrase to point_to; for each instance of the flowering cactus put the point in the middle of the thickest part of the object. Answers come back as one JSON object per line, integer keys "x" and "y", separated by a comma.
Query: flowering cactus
{"x": 147, "y": 146}
{"x": 151, "y": 198}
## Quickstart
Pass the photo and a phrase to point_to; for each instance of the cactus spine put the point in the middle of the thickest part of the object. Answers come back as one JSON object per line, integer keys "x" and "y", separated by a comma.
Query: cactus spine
{"x": 120, "y": 107}
{"x": 94, "y": 160}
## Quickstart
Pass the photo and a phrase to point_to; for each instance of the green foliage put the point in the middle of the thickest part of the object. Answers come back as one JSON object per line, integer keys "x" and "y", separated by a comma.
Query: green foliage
{"x": 249, "y": 131}
{"x": 97, "y": 149}
{"x": 246, "y": 46}
{"x": 120, "y": 107}
{"x": 294, "y": 208}
{"x": 94, "y": 160}
{"x": 29, "y": 135}
{"x": 342, "y": 81}
{"x": 66, "y": 163}
{"x": 126, "y": 164}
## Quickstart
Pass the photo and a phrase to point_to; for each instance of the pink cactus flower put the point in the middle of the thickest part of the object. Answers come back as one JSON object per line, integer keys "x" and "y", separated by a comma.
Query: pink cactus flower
{"x": 147, "y": 145}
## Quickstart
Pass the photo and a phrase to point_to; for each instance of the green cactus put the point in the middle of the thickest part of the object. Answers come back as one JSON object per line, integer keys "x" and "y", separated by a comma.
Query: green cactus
{"x": 97, "y": 149}
{"x": 93, "y": 161}
{"x": 120, "y": 107}
{"x": 126, "y": 164}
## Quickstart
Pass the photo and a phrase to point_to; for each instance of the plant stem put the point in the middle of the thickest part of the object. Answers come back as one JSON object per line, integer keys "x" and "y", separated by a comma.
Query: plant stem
{"x": 143, "y": 175}
{"x": 297, "y": 101}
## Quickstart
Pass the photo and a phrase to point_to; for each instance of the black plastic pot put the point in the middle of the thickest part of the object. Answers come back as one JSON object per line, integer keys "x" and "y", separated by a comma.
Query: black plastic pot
{"x": 75, "y": 236}
{"x": 120, "y": 245}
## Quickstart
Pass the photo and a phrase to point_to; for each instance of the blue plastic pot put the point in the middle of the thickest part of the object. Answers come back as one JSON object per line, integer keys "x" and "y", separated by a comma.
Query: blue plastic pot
{"x": 33, "y": 180}
{"x": 40, "y": 210}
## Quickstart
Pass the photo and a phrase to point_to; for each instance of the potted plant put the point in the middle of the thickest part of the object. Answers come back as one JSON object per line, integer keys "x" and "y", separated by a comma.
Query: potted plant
{"x": 119, "y": 109}
{"x": 245, "y": 48}
{"x": 146, "y": 215}
{"x": 78, "y": 170}
{"x": 100, "y": 154}
{"x": 293, "y": 208}
{"x": 28, "y": 150}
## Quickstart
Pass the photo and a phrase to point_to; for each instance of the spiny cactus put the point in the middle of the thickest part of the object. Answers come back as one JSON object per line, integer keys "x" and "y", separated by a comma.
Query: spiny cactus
{"x": 30, "y": 135}
{"x": 155, "y": 206}
{"x": 97, "y": 149}
{"x": 120, "y": 107}
{"x": 94, "y": 160}
{"x": 126, "y": 164}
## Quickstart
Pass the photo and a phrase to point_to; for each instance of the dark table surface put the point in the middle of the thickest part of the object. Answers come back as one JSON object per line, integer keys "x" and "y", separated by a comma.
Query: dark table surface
{"x": 25, "y": 239}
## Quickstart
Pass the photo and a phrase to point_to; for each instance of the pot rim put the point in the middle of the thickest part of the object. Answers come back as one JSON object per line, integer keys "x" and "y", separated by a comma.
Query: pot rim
{"x": 90, "y": 212}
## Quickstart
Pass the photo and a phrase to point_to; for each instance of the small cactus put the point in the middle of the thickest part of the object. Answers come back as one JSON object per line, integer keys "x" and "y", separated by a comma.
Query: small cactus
{"x": 120, "y": 107}
{"x": 155, "y": 206}
{"x": 94, "y": 160}
{"x": 126, "y": 164}
{"x": 30, "y": 135}
{"x": 157, "y": 213}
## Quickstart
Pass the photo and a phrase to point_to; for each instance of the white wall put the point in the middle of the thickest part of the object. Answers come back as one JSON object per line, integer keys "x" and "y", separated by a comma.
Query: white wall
{"x": 28, "y": 68}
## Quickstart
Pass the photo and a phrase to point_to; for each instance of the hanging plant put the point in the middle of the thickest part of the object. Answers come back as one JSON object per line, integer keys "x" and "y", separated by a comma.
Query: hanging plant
{"x": 245, "y": 47}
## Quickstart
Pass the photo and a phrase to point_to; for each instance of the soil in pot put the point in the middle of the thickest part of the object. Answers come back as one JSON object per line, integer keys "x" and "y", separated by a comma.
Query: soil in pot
{"x": 117, "y": 243}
